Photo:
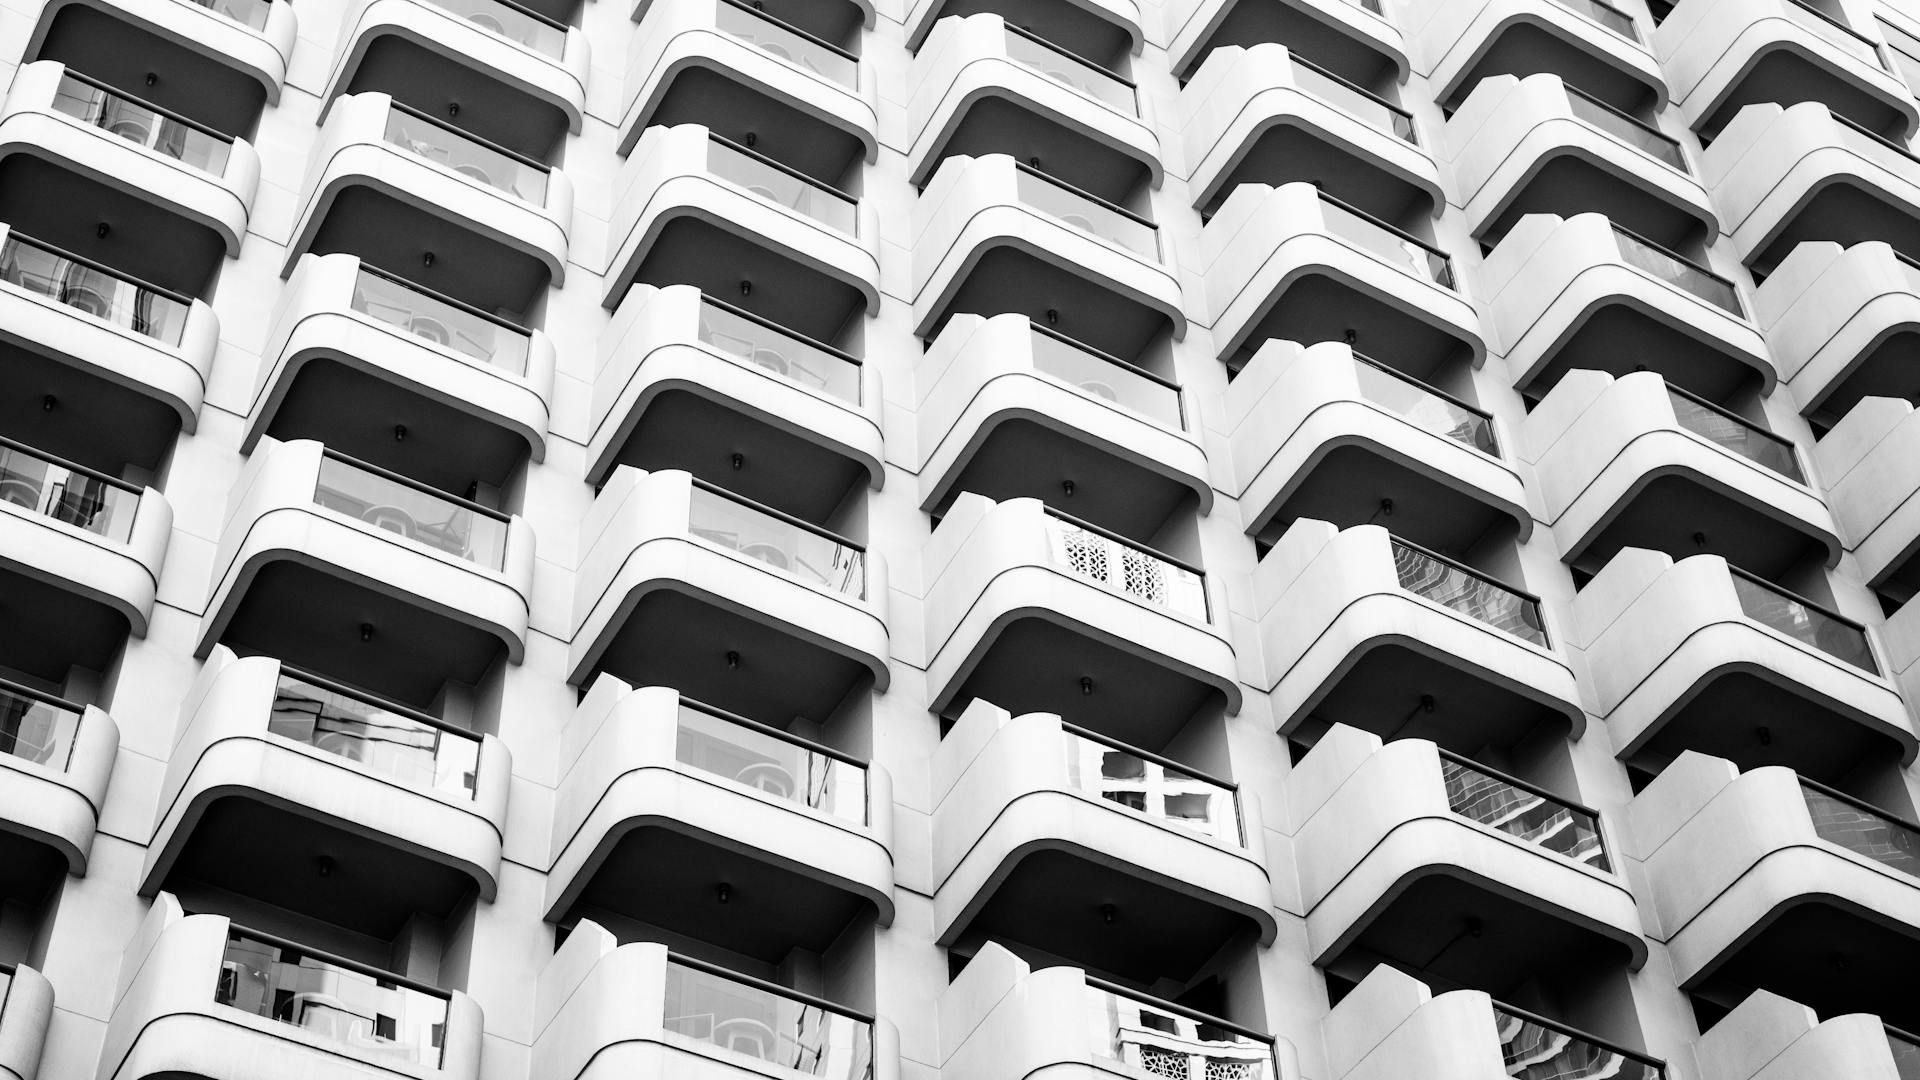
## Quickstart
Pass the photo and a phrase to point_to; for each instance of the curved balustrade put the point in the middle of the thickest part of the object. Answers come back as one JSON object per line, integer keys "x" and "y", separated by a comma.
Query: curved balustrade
{"x": 1650, "y": 258}
{"x": 771, "y": 761}
{"x": 770, "y": 1023}
{"x": 1423, "y": 406}
{"x": 1468, "y": 592}
{"x": 418, "y": 513}
{"x": 466, "y": 330}
{"x": 1627, "y": 129}
{"x": 1730, "y": 432}
{"x": 1803, "y": 621}
{"x": 93, "y": 289}
{"x": 1538, "y": 1049}
{"x": 1849, "y": 823}
{"x": 1400, "y": 248}
{"x": 382, "y": 737}
{"x": 802, "y": 360}
{"x": 98, "y": 105}
{"x": 474, "y": 158}
{"x": 37, "y": 727}
{"x": 789, "y": 43}
{"x": 548, "y": 37}
{"x": 1069, "y": 70}
{"x": 1151, "y": 785}
{"x": 383, "y": 1017}
{"x": 51, "y": 487}
{"x": 783, "y": 542}
{"x": 1523, "y": 811}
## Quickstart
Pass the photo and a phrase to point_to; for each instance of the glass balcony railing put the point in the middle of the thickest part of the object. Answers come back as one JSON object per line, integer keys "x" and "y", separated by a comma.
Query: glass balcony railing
{"x": 1108, "y": 378}
{"x": 1156, "y": 1038}
{"x": 37, "y": 727}
{"x": 1803, "y": 621}
{"x": 1650, "y": 258}
{"x": 766, "y": 1022}
{"x": 93, "y": 289}
{"x": 1376, "y": 237}
{"x": 771, "y": 761}
{"x": 777, "y": 184}
{"x": 1154, "y": 579}
{"x": 1906, "y": 1053}
{"x": 415, "y": 512}
{"x": 377, "y": 1015}
{"x": 790, "y": 43}
{"x": 786, "y": 543}
{"x": 97, "y": 105}
{"x": 1849, "y": 823}
{"x": 1731, "y": 433}
{"x": 6, "y": 987}
{"x": 1088, "y": 213}
{"x": 1536, "y": 1048}
{"x": 1423, "y": 406}
{"x": 522, "y": 26}
{"x": 465, "y": 330}
{"x": 1469, "y": 592}
{"x": 1151, "y": 785}
{"x": 1356, "y": 101}
{"x": 1625, "y": 128}
{"x": 52, "y": 487}
{"x": 1520, "y": 809}
{"x": 1064, "y": 67}
{"x": 750, "y": 338}
{"x": 389, "y": 740}
{"x": 1837, "y": 33}
{"x": 472, "y": 157}
{"x": 1603, "y": 14}
{"x": 251, "y": 14}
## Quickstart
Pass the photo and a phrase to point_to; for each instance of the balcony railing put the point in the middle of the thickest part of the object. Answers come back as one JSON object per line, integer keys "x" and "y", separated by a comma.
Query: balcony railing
{"x": 777, "y": 184}
{"x": 788, "y": 42}
{"x": 1396, "y": 246}
{"x": 1351, "y": 98}
{"x": 794, "y": 547}
{"x": 1860, "y": 828}
{"x": 248, "y": 13}
{"x": 522, "y": 26}
{"x": 1423, "y": 406}
{"x": 762, "y": 1020}
{"x": 1465, "y": 590}
{"x": 1086, "y": 212}
{"x": 1804, "y": 621}
{"x": 1839, "y": 34}
{"x": 1734, "y": 434}
{"x": 1605, "y": 15}
{"x": 1517, "y": 808}
{"x": 94, "y": 289}
{"x": 442, "y": 320}
{"x": 54, "y": 487}
{"x": 1159, "y": 1038}
{"x": 418, "y": 750}
{"x": 37, "y": 727}
{"x": 771, "y": 761}
{"x": 1625, "y": 128}
{"x": 1650, "y": 258}
{"x": 1068, "y": 69}
{"x": 1152, "y": 785}
{"x": 380, "y": 1016}
{"x": 1108, "y": 378}
{"x": 1536, "y": 1048}
{"x": 169, "y": 134}
{"x": 475, "y": 158}
{"x": 412, "y": 510}
{"x": 1906, "y": 1053}
{"x": 753, "y": 339}
{"x": 1145, "y": 575}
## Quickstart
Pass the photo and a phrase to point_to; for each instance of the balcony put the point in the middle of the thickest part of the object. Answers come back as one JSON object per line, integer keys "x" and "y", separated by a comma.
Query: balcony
{"x": 1765, "y": 880}
{"x": 1351, "y": 37}
{"x": 1686, "y": 655}
{"x": 1010, "y": 409}
{"x": 200, "y": 996}
{"x": 1867, "y": 463}
{"x": 1363, "y": 629}
{"x": 1038, "y": 612}
{"x": 1581, "y": 293}
{"x": 1819, "y": 177}
{"x": 1265, "y": 115}
{"x": 26, "y": 1013}
{"x": 1294, "y": 263}
{"x": 1104, "y": 28}
{"x": 684, "y": 584}
{"x": 1591, "y": 43}
{"x": 437, "y": 584}
{"x": 1724, "y": 55}
{"x": 692, "y": 382}
{"x": 1767, "y": 1032}
{"x": 1327, "y": 433}
{"x": 651, "y": 778}
{"x": 1034, "y": 817}
{"x": 693, "y": 208}
{"x": 56, "y": 757}
{"x": 605, "y": 1011}
{"x": 1839, "y": 321}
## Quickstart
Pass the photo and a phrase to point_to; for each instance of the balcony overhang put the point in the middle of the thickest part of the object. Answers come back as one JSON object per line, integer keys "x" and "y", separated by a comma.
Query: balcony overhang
{"x": 1839, "y": 321}
{"x": 182, "y": 42}
{"x": 1361, "y": 45}
{"x": 1465, "y": 41}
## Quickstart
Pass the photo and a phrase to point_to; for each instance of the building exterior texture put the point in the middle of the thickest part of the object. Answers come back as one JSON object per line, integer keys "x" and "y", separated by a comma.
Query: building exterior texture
{"x": 959, "y": 539}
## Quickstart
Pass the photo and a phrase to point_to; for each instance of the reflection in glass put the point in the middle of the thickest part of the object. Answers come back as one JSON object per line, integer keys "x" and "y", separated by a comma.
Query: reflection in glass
{"x": 1354, "y": 100}
{"x": 36, "y": 728}
{"x": 780, "y": 767}
{"x": 416, "y": 513}
{"x": 813, "y": 556}
{"x": 1069, "y": 70}
{"x": 787, "y": 42}
{"x": 1539, "y": 1051}
{"x": 1726, "y": 430}
{"x": 1083, "y": 212}
{"x": 791, "y": 357}
{"x": 1165, "y": 794}
{"x": 516, "y": 24}
{"x": 381, "y": 738}
{"x": 1454, "y": 586}
{"x": 1625, "y": 128}
{"x": 1424, "y": 407}
{"x": 1153, "y": 1040}
{"x": 471, "y": 158}
{"x": 1559, "y": 827}
{"x": 1774, "y": 607}
{"x": 1100, "y": 376}
{"x": 368, "y": 1012}
{"x": 1650, "y": 258}
{"x": 85, "y": 500}
{"x": 440, "y": 322}
{"x": 1863, "y": 830}
{"x": 743, "y": 1018}
{"x": 1377, "y": 237}
{"x": 140, "y": 124}
{"x": 782, "y": 187}
{"x": 92, "y": 290}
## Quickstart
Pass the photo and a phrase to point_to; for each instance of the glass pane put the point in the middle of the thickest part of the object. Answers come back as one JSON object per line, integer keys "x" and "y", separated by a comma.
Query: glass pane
{"x": 782, "y": 188}
{"x": 1876, "y": 836}
{"x": 476, "y": 161}
{"x": 1736, "y": 435}
{"x": 1423, "y": 408}
{"x": 1840, "y": 35}
{"x": 1152, "y": 789}
{"x": 785, "y": 355}
{"x": 1906, "y": 1056}
{"x": 384, "y": 742}
{"x": 248, "y": 13}
{"x": 1626, "y": 129}
{"x": 1099, "y": 377}
{"x": 1677, "y": 272}
{"x": 1606, "y": 15}
{"x": 1372, "y": 236}
{"x": 1095, "y": 82}
{"x": 140, "y": 125}
{"x": 802, "y": 553}
{"x": 93, "y": 292}
{"x": 376, "y": 1019}
{"x": 37, "y": 731}
{"x": 1518, "y": 812}
{"x": 1537, "y": 1052}
{"x": 510, "y": 23}
{"x": 1147, "y": 578}
{"x": 443, "y": 324}
{"x": 1085, "y": 214}
{"x": 1157, "y": 1042}
{"x": 795, "y": 48}
{"x": 423, "y": 517}
{"x": 766, "y": 1026}
{"x": 771, "y": 764}
{"x": 1351, "y": 99}
{"x": 1804, "y": 623}
{"x": 86, "y": 502}
{"x": 1469, "y": 594}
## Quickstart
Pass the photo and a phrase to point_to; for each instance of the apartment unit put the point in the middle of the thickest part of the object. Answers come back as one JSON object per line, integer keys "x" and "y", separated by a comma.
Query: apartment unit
{"x": 959, "y": 539}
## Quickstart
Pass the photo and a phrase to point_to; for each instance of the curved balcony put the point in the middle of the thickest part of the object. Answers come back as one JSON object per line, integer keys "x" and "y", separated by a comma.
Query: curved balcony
{"x": 784, "y": 841}
{"x": 1362, "y": 629}
{"x": 1293, "y": 263}
{"x": 1839, "y": 321}
{"x": 693, "y": 208}
{"x": 994, "y": 236}
{"x": 1580, "y": 293}
{"x": 1265, "y": 115}
{"x": 1323, "y": 432}
{"x": 1764, "y": 880}
{"x": 1590, "y": 42}
{"x": 1038, "y": 612}
{"x": 1723, "y": 55}
{"x": 1009, "y": 409}
{"x": 365, "y": 555}
{"x": 1685, "y": 655}
{"x": 684, "y": 584}
{"x": 26, "y": 1014}
{"x": 1351, "y": 37}
{"x": 1033, "y": 817}
{"x": 57, "y": 758}
{"x": 236, "y": 50}
{"x": 1094, "y": 28}
{"x": 1768, "y": 1035}
{"x": 199, "y": 996}
{"x": 1867, "y": 463}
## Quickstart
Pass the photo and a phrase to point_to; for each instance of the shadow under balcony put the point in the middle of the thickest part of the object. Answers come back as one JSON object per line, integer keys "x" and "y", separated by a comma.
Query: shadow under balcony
{"x": 1866, "y": 462}
{"x": 1842, "y": 323}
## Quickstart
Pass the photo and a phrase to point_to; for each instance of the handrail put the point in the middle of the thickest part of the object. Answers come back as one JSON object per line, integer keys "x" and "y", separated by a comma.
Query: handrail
{"x": 785, "y": 25}
{"x": 768, "y": 729}
{"x": 1136, "y": 545}
{"x": 1178, "y": 1010}
{"x": 8, "y": 686}
{"x": 1516, "y": 782}
{"x": 1575, "y": 91}
{"x": 1104, "y": 204}
{"x": 536, "y": 16}
{"x": 158, "y": 110}
{"x": 1900, "y": 1034}
{"x": 337, "y": 960}
{"x": 778, "y": 515}
{"x": 1124, "y": 365}
{"x": 801, "y": 996}
{"x": 434, "y": 294}
{"x": 731, "y": 309}
{"x": 1730, "y": 415}
{"x": 408, "y": 481}
{"x": 1147, "y": 755}
{"x": 1428, "y": 387}
{"x": 756, "y": 155}
{"x": 1586, "y": 1037}
{"x": 1385, "y": 225}
{"x": 1858, "y": 804}
{"x": 1296, "y": 58}
{"x": 1903, "y": 151}
{"x": 1797, "y": 598}
{"x": 92, "y": 264}
{"x": 1837, "y": 24}
{"x": 524, "y": 159}
{"x": 1463, "y": 568}
{"x": 365, "y": 698}
{"x": 55, "y": 459}
{"x": 1672, "y": 254}
{"x": 1103, "y": 69}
